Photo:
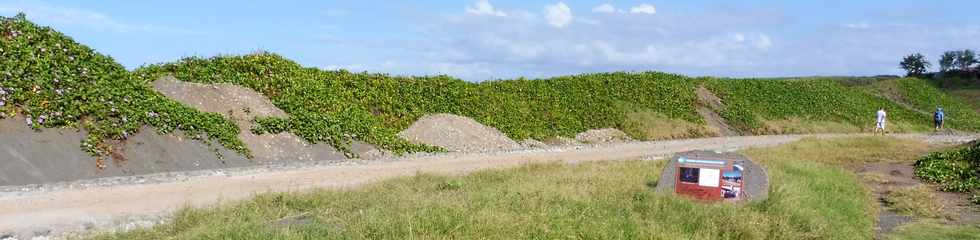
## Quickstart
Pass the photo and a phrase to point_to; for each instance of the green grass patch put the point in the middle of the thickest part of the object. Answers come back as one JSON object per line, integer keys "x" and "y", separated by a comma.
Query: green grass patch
{"x": 810, "y": 199}
{"x": 925, "y": 97}
{"x": 969, "y": 96}
{"x": 927, "y": 230}
{"x": 650, "y": 125}
{"x": 751, "y": 102}
{"x": 917, "y": 201}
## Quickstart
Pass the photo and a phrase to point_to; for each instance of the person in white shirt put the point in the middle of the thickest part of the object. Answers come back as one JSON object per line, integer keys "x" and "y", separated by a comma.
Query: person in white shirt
{"x": 880, "y": 123}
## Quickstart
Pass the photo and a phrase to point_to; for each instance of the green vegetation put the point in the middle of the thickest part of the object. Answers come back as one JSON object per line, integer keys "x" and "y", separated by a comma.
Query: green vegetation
{"x": 969, "y": 96}
{"x": 956, "y": 170}
{"x": 751, "y": 103}
{"x": 925, "y": 97}
{"x": 55, "y": 82}
{"x": 811, "y": 198}
{"x": 934, "y": 231}
{"x": 915, "y": 65}
{"x": 338, "y": 106}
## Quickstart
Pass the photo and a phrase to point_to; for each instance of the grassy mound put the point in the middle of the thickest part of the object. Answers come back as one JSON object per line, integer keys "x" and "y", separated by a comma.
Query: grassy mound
{"x": 339, "y": 106}
{"x": 55, "y": 82}
{"x": 810, "y": 199}
{"x": 956, "y": 170}
{"x": 752, "y": 103}
{"x": 925, "y": 97}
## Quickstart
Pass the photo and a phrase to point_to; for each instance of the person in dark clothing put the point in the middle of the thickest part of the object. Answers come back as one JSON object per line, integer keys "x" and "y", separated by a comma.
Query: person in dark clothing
{"x": 939, "y": 118}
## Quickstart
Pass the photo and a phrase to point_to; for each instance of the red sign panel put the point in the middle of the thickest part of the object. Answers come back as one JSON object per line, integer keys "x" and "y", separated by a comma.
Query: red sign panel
{"x": 709, "y": 179}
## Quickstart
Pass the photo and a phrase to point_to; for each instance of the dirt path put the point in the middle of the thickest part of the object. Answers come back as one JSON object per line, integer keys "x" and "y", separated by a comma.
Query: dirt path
{"x": 709, "y": 107}
{"x": 55, "y": 211}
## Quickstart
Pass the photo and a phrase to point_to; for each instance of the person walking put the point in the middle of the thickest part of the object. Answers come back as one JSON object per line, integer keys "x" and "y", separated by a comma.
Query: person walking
{"x": 880, "y": 123}
{"x": 939, "y": 118}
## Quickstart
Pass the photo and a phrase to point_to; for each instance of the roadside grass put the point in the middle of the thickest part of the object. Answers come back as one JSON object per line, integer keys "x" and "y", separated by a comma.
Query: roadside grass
{"x": 846, "y": 151}
{"x": 810, "y": 198}
{"x": 795, "y": 125}
{"x": 916, "y": 201}
{"x": 929, "y": 230}
{"x": 650, "y": 125}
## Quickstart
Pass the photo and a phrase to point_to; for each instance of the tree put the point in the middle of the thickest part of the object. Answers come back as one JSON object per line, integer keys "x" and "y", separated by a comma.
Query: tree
{"x": 965, "y": 60}
{"x": 946, "y": 61}
{"x": 915, "y": 65}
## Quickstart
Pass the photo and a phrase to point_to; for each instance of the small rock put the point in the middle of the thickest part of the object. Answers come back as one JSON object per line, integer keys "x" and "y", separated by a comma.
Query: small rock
{"x": 606, "y": 135}
{"x": 42, "y": 232}
{"x": 531, "y": 143}
{"x": 562, "y": 141}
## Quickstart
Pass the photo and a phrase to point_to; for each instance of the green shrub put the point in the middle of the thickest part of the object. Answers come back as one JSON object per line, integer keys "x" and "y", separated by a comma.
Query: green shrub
{"x": 955, "y": 170}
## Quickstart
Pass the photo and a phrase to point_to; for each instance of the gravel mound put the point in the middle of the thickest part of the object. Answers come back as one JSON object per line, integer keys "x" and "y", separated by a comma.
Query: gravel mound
{"x": 242, "y": 105}
{"x": 605, "y": 135}
{"x": 457, "y": 134}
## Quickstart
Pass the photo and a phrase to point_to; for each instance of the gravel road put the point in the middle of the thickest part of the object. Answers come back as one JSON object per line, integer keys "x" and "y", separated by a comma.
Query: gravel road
{"x": 59, "y": 210}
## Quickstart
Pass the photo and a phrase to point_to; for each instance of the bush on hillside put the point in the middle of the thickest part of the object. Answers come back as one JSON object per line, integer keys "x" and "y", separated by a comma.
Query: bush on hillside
{"x": 751, "y": 102}
{"x": 956, "y": 170}
{"x": 338, "y": 107}
{"x": 925, "y": 97}
{"x": 55, "y": 82}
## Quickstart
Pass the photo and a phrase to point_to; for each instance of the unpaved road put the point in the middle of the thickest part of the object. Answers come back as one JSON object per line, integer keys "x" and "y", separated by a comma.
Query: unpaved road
{"x": 57, "y": 211}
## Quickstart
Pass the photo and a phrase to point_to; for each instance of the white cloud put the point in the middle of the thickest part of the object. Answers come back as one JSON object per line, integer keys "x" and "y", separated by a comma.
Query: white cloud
{"x": 731, "y": 51}
{"x": 764, "y": 42}
{"x": 738, "y": 37}
{"x": 558, "y": 15}
{"x": 604, "y": 8}
{"x": 48, "y": 14}
{"x": 644, "y": 9}
{"x": 484, "y": 8}
{"x": 859, "y": 25}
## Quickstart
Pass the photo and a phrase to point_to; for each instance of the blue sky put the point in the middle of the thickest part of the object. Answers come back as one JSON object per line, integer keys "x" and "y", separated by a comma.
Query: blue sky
{"x": 480, "y": 39}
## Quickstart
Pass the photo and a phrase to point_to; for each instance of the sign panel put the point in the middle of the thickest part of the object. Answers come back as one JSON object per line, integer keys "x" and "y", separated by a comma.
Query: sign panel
{"x": 709, "y": 179}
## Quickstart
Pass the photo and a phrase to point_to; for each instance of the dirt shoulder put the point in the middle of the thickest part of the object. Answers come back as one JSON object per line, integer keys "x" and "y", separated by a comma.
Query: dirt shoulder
{"x": 73, "y": 209}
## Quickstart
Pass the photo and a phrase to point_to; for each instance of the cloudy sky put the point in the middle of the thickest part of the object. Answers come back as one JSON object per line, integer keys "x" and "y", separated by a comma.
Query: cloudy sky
{"x": 490, "y": 39}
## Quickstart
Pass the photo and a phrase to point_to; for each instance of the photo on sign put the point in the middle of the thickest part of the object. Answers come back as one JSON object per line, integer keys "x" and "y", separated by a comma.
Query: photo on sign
{"x": 731, "y": 182}
{"x": 689, "y": 175}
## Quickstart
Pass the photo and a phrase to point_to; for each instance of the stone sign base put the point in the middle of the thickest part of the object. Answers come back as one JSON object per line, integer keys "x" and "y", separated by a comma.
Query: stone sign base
{"x": 713, "y": 176}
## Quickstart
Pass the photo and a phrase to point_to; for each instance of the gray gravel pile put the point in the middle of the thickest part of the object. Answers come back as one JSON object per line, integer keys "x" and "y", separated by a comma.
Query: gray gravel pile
{"x": 243, "y": 105}
{"x": 457, "y": 134}
{"x": 605, "y": 135}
